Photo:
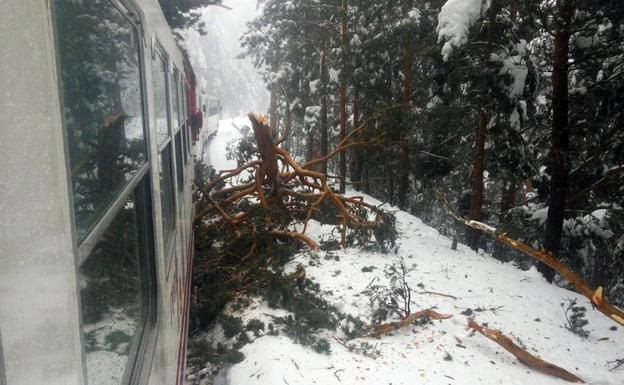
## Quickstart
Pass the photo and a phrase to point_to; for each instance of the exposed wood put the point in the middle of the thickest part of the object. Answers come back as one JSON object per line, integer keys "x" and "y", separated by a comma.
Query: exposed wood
{"x": 522, "y": 355}
{"x": 384, "y": 329}
{"x": 268, "y": 173}
{"x": 297, "y": 188}
{"x": 596, "y": 296}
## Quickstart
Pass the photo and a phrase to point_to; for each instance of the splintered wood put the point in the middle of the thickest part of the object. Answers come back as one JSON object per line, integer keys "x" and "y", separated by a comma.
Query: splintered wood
{"x": 522, "y": 355}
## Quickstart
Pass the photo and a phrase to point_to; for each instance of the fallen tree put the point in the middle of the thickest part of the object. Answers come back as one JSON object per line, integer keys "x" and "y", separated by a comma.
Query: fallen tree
{"x": 280, "y": 182}
{"x": 252, "y": 219}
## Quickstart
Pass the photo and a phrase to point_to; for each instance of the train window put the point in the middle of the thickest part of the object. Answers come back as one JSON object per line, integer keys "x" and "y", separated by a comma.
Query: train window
{"x": 182, "y": 104}
{"x": 102, "y": 104}
{"x": 179, "y": 162}
{"x": 167, "y": 196}
{"x": 115, "y": 292}
{"x": 175, "y": 101}
{"x": 186, "y": 124}
{"x": 159, "y": 75}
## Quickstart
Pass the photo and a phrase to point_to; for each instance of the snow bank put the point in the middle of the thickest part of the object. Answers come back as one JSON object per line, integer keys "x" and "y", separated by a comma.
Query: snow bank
{"x": 522, "y": 304}
{"x": 454, "y": 21}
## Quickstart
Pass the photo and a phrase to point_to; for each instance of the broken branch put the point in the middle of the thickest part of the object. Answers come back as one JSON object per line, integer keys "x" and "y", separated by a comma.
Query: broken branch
{"x": 384, "y": 329}
{"x": 522, "y": 355}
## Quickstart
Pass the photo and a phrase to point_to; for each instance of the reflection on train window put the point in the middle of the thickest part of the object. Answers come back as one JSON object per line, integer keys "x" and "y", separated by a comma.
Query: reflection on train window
{"x": 167, "y": 196}
{"x": 187, "y": 142}
{"x": 102, "y": 104}
{"x": 179, "y": 162}
{"x": 159, "y": 74}
{"x": 175, "y": 102}
{"x": 113, "y": 289}
{"x": 182, "y": 102}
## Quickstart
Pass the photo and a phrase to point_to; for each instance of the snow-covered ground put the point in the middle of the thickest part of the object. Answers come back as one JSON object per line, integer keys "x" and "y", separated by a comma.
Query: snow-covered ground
{"x": 519, "y": 303}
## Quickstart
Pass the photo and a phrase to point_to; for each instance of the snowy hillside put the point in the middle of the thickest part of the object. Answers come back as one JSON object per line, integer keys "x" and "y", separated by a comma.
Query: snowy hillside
{"x": 461, "y": 283}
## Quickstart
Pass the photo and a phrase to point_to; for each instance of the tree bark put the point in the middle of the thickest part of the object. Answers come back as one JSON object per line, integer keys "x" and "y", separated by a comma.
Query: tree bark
{"x": 343, "y": 96}
{"x": 324, "y": 78}
{"x": 407, "y": 99}
{"x": 508, "y": 199}
{"x": 560, "y": 146}
{"x": 356, "y": 166}
{"x": 476, "y": 206}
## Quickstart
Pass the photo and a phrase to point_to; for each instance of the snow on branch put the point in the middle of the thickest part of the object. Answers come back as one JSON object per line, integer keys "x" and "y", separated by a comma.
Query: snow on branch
{"x": 454, "y": 22}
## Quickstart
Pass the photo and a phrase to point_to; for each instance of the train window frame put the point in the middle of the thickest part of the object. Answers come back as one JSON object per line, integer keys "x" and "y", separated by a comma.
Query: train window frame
{"x": 142, "y": 352}
{"x": 159, "y": 52}
{"x": 84, "y": 243}
{"x": 138, "y": 364}
{"x": 2, "y": 366}
{"x": 175, "y": 100}
{"x": 185, "y": 126}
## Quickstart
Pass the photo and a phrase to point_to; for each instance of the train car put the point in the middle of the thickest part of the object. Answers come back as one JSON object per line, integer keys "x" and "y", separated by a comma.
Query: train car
{"x": 210, "y": 108}
{"x": 96, "y": 204}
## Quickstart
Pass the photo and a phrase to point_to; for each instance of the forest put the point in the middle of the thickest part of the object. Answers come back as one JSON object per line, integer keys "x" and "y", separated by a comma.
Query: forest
{"x": 499, "y": 123}
{"x": 514, "y": 109}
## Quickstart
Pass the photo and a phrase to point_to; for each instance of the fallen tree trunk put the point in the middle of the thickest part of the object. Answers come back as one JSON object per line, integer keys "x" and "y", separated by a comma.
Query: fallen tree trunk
{"x": 522, "y": 355}
{"x": 595, "y": 296}
{"x": 384, "y": 329}
{"x": 286, "y": 189}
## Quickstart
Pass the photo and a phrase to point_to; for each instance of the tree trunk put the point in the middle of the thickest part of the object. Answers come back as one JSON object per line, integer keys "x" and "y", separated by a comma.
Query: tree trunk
{"x": 343, "y": 97}
{"x": 508, "y": 199}
{"x": 356, "y": 166}
{"x": 559, "y": 136}
{"x": 476, "y": 206}
{"x": 407, "y": 99}
{"x": 324, "y": 73}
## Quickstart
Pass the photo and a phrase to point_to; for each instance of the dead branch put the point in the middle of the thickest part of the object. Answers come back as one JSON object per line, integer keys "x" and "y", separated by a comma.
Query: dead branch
{"x": 384, "y": 329}
{"x": 522, "y": 355}
{"x": 439, "y": 294}
{"x": 595, "y": 296}
{"x": 616, "y": 364}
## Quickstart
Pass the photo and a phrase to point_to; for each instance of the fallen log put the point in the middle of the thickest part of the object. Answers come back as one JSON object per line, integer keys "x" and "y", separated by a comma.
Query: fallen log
{"x": 381, "y": 330}
{"x": 522, "y": 355}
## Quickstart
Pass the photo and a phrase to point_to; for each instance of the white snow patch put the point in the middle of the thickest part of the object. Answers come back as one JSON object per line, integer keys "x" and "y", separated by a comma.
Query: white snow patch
{"x": 454, "y": 22}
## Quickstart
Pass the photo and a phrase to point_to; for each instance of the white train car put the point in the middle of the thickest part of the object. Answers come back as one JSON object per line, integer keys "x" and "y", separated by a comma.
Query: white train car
{"x": 95, "y": 194}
